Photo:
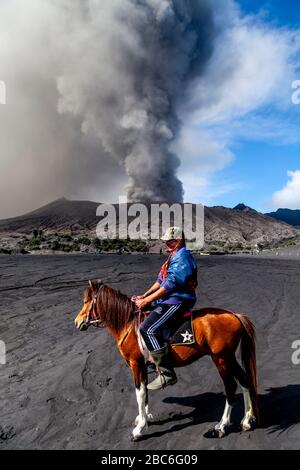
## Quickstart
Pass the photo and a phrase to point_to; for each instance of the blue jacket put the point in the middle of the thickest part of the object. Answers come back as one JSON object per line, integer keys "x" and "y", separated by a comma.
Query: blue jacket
{"x": 181, "y": 278}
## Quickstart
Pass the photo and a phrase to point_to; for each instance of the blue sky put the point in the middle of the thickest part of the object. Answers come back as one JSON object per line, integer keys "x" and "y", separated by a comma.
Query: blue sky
{"x": 283, "y": 12}
{"x": 263, "y": 140}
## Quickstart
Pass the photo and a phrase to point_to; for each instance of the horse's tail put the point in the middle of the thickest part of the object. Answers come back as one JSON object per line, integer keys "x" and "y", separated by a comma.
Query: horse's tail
{"x": 248, "y": 356}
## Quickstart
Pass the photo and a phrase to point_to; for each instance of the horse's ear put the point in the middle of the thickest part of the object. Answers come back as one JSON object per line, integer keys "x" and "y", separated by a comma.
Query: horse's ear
{"x": 91, "y": 286}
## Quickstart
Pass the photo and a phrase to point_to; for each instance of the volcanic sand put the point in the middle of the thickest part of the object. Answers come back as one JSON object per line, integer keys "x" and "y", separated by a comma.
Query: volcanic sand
{"x": 63, "y": 389}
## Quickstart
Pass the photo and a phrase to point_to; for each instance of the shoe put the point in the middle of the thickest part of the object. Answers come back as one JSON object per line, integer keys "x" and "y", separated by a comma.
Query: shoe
{"x": 166, "y": 374}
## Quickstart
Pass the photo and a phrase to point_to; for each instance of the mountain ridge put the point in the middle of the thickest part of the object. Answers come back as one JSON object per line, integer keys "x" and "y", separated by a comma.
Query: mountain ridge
{"x": 242, "y": 225}
{"x": 290, "y": 216}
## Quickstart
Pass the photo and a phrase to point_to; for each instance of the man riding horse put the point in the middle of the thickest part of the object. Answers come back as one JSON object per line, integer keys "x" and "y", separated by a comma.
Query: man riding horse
{"x": 169, "y": 298}
{"x": 217, "y": 332}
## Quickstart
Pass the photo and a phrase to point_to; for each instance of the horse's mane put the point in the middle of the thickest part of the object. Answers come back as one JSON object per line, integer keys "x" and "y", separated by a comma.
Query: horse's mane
{"x": 117, "y": 310}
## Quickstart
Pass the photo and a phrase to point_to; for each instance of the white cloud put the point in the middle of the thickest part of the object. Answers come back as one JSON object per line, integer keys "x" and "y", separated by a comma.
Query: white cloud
{"x": 199, "y": 147}
{"x": 253, "y": 66}
{"x": 289, "y": 196}
{"x": 244, "y": 94}
{"x": 202, "y": 156}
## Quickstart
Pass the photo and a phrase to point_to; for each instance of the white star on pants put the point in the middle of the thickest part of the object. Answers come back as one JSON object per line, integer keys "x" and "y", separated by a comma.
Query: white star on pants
{"x": 187, "y": 337}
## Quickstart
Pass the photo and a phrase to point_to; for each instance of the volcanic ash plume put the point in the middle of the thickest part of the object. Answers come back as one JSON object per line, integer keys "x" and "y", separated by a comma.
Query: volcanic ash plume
{"x": 128, "y": 64}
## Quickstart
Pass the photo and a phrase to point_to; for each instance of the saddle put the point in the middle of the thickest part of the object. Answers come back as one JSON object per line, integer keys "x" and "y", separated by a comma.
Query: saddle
{"x": 179, "y": 334}
{"x": 182, "y": 333}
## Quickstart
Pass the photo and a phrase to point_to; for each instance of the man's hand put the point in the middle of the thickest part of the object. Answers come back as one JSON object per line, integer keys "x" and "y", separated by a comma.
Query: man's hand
{"x": 142, "y": 303}
{"x": 134, "y": 298}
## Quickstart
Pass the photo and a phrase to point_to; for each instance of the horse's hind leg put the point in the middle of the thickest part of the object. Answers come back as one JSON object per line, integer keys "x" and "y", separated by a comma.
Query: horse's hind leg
{"x": 230, "y": 384}
{"x": 249, "y": 420}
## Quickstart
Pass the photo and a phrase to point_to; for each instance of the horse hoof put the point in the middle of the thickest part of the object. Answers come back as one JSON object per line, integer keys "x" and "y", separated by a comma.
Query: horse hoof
{"x": 220, "y": 433}
{"x": 136, "y": 438}
{"x": 250, "y": 425}
{"x": 215, "y": 434}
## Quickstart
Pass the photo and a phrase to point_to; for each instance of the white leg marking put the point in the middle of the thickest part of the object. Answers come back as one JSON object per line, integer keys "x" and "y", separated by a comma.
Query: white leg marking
{"x": 141, "y": 420}
{"x": 149, "y": 415}
{"x": 249, "y": 413}
{"x": 225, "y": 421}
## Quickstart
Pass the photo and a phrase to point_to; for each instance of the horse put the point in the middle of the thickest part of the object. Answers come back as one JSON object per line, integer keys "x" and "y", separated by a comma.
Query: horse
{"x": 217, "y": 332}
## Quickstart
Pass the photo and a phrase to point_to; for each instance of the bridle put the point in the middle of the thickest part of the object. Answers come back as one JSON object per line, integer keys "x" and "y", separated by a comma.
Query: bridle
{"x": 94, "y": 319}
{"x": 92, "y": 316}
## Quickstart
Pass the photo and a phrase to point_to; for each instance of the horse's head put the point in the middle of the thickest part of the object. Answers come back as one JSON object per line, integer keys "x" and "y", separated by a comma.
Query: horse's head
{"x": 87, "y": 315}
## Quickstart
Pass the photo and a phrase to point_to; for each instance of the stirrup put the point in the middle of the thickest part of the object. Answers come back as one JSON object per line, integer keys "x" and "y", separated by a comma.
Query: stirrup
{"x": 162, "y": 381}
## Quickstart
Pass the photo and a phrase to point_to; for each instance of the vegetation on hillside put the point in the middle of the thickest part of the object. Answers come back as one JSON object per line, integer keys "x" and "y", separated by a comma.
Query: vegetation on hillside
{"x": 67, "y": 243}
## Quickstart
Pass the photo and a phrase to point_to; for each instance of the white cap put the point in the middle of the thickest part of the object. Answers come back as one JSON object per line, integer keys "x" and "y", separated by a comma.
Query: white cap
{"x": 173, "y": 233}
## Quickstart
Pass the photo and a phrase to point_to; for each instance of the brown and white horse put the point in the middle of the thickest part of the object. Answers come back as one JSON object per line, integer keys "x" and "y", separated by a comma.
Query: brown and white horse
{"x": 217, "y": 332}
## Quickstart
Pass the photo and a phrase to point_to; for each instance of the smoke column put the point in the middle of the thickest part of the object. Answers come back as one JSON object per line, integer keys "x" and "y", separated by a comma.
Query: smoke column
{"x": 100, "y": 93}
{"x": 128, "y": 66}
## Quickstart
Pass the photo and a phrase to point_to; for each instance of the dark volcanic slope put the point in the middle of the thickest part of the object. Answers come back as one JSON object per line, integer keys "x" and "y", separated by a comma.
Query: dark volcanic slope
{"x": 62, "y": 389}
{"x": 239, "y": 225}
{"x": 288, "y": 216}
{"x": 61, "y": 214}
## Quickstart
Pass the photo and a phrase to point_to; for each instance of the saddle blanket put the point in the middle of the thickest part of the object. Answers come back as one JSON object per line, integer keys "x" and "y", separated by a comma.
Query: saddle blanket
{"x": 184, "y": 335}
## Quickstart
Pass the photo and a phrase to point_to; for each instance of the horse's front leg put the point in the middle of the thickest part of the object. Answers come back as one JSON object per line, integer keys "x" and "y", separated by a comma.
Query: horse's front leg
{"x": 149, "y": 415}
{"x": 140, "y": 379}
